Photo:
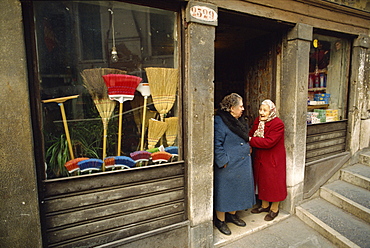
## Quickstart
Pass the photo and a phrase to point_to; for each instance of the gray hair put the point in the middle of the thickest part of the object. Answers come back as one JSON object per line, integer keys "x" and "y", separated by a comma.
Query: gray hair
{"x": 229, "y": 101}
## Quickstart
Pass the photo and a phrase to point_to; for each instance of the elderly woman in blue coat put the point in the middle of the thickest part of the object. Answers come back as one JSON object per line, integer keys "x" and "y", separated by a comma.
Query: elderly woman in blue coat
{"x": 233, "y": 177}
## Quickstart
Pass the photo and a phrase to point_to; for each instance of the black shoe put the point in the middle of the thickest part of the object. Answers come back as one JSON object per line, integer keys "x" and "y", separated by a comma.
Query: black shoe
{"x": 222, "y": 226}
{"x": 260, "y": 210}
{"x": 271, "y": 215}
{"x": 233, "y": 218}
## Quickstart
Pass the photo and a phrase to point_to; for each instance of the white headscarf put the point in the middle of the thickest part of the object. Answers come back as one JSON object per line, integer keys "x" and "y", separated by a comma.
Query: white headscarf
{"x": 260, "y": 132}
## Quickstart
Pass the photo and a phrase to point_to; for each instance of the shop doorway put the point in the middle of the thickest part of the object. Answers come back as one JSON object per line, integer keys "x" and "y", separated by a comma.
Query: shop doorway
{"x": 247, "y": 59}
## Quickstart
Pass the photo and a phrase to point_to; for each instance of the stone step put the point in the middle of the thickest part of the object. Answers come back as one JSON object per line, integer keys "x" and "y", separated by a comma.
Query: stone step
{"x": 358, "y": 174}
{"x": 365, "y": 158}
{"x": 255, "y": 223}
{"x": 340, "y": 227}
{"x": 348, "y": 197}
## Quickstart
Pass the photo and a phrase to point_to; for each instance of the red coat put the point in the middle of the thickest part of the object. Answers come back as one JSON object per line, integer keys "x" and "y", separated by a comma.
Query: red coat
{"x": 269, "y": 161}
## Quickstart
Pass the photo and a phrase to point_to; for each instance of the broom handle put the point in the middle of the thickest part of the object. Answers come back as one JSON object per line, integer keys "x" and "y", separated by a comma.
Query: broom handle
{"x": 143, "y": 125}
{"x": 120, "y": 128}
{"x": 104, "y": 145}
{"x": 66, "y": 129}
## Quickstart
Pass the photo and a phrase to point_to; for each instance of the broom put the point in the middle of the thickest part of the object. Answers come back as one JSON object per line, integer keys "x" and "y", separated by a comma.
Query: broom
{"x": 121, "y": 88}
{"x": 155, "y": 131}
{"x": 171, "y": 132}
{"x": 163, "y": 86}
{"x": 60, "y": 102}
{"x": 144, "y": 89}
{"x": 94, "y": 83}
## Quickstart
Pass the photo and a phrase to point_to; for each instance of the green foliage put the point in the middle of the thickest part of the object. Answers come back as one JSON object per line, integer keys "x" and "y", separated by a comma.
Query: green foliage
{"x": 57, "y": 155}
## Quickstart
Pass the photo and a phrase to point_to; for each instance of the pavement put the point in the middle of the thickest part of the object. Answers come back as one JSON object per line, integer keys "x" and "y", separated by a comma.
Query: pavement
{"x": 285, "y": 230}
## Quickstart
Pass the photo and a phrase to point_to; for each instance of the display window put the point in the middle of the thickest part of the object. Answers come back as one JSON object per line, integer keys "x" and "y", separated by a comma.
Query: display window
{"x": 328, "y": 79}
{"x": 109, "y": 80}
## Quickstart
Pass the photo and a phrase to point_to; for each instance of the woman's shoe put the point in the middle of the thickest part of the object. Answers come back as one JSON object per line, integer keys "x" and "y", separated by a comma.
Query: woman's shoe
{"x": 222, "y": 226}
{"x": 260, "y": 210}
{"x": 271, "y": 215}
{"x": 233, "y": 218}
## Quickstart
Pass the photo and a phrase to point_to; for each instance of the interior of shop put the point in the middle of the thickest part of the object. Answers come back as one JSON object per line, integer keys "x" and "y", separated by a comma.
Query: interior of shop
{"x": 246, "y": 54}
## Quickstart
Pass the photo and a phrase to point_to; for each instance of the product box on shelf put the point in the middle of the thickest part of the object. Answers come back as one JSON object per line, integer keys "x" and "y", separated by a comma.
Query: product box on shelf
{"x": 332, "y": 115}
{"x": 312, "y": 118}
{"x": 321, "y": 114}
{"x": 325, "y": 99}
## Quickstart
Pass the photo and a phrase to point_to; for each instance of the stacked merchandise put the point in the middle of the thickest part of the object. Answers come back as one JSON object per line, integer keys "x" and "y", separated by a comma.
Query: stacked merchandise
{"x": 321, "y": 114}
{"x": 325, "y": 97}
{"x": 312, "y": 118}
{"x": 332, "y": 115}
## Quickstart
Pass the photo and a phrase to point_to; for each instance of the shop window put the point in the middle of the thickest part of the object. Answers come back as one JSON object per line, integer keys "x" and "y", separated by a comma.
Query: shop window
{"x": 109, "y": 77}
{"x": 328, "y": 79}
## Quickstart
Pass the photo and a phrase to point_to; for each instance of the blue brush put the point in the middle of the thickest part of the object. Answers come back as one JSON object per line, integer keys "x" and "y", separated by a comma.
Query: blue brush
{"x": 91, "y": 164}
{"x": 124, "y": 162}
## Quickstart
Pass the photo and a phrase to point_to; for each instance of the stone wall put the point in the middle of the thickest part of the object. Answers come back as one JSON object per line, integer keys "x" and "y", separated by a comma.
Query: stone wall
{"x": 19, "y": 221}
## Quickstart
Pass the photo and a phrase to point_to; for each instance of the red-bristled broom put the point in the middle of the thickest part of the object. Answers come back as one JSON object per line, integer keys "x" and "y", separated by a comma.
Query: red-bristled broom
{"x": 121, "y": 88}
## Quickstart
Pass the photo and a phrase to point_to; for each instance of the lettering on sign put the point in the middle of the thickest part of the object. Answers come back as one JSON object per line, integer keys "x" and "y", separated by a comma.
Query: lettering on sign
{"x": 203, "y": 13}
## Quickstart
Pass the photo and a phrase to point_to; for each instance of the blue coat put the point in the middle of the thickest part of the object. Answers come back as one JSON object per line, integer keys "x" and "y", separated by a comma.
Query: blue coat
{"x": 233, "y": 185}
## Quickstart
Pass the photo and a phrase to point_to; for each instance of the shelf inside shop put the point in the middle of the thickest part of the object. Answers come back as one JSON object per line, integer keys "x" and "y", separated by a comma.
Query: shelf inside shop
{"x": 322, "y": 106}
{"x": 316, "y": 89}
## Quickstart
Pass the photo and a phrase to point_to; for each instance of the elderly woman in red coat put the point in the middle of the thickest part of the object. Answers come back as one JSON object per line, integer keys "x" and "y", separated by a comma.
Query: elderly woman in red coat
{"x": 269, "y": 160}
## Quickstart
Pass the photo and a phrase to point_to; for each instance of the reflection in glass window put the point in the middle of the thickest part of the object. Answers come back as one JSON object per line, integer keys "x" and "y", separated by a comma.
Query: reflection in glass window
{"x": 102, "y": 113}
{"x": 328, "y": 79}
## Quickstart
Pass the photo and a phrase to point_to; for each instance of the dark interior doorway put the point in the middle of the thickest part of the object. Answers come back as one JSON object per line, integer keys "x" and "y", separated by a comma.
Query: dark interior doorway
{"x": 247, "y": 49}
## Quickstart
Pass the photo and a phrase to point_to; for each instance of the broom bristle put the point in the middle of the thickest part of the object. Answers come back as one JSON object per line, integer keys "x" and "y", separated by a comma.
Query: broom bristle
{"x": 119, "y": 84}
{"x": 156, "y": 129}
{"x": 163, "y": 86}
{"x": 94, "y": 82}
{"x": 171, "y": 132}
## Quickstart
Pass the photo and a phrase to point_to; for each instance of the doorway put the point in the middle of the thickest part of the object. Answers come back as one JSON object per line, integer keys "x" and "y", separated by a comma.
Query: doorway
{"x": 247, "y": 59}
{"x": 247, "y": 62}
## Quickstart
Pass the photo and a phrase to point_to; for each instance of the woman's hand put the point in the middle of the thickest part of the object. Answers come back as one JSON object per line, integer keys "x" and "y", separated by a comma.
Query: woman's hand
{"x": 225, "y": 165}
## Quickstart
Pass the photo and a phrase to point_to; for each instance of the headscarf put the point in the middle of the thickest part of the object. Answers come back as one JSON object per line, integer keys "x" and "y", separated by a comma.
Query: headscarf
{"x": 260, "y": 132}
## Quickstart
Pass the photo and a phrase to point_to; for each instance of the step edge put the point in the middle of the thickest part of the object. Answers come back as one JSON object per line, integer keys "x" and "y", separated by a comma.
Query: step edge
{"x": 325, "y": 230}
{"x": 346, "y": 204}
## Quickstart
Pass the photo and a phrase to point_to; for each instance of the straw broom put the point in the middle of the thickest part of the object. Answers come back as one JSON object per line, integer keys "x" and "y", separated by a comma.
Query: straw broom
{"x": 95, "y": 84}
{"x": 163, "y": 86}
{"x": 155, "y": 131}
{"x": 171, "y": 132}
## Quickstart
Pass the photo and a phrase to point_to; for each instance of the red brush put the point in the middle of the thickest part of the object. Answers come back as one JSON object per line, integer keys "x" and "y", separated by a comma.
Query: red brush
{"x": 109, "y": 162}
{"x": 159, "y": 157}
{"x": 121, "y": 88}
{"x": 72, "y": 165}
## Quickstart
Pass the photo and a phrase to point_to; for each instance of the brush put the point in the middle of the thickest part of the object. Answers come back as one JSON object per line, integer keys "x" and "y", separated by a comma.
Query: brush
{"x": 159, "y": 157}
{"x": 156, "y": 130}
{"x": 140, "y": 156}
{"x": 109, "y": 162}
{"x": 72, "y": 165}
{"x": 91, "y": 164}
{"x": 121, "y": 88}
{"x": 171, "y": 132}
{"x": 122, "y": 162}
{"x": 174, "y": 150}
{"x": 163, "y": 84}
{"x": 95, "y": 84}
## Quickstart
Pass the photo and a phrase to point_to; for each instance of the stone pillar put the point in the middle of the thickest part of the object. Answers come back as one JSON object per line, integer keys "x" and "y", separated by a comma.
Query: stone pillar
{"x": 20, "y": 220}
{"x": 293, "y": 108}
{"x": 198, "y": 98}
{"x": 358, "y": 111}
